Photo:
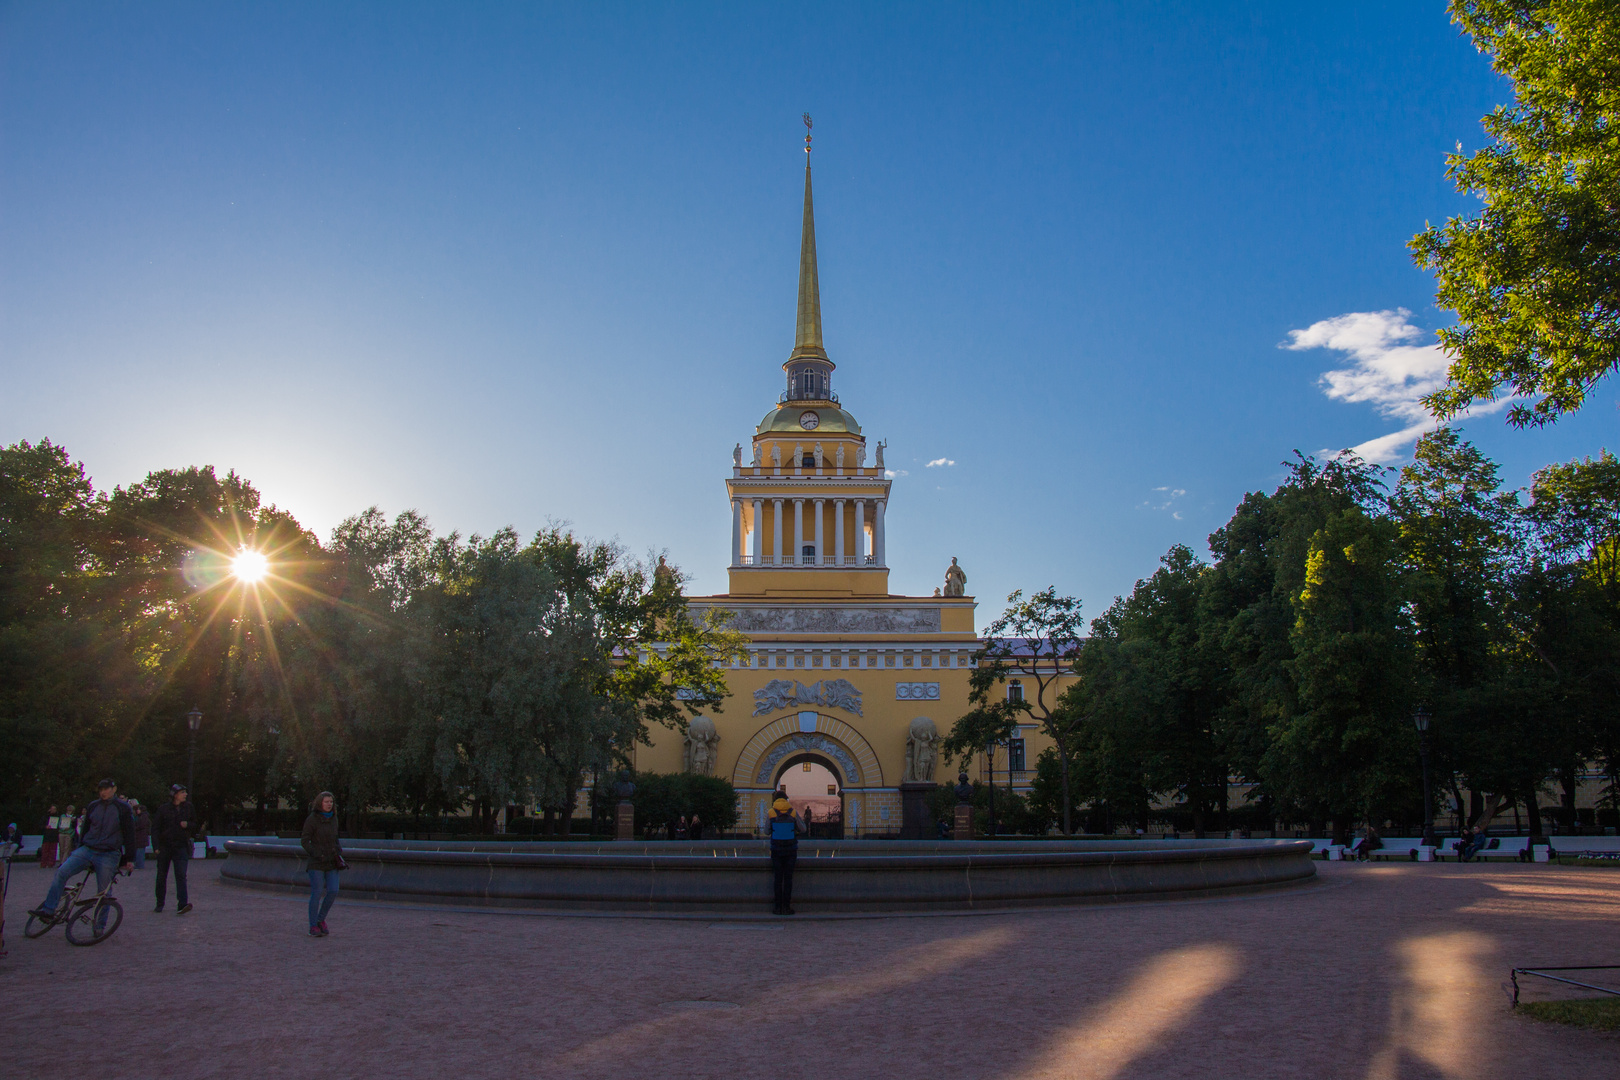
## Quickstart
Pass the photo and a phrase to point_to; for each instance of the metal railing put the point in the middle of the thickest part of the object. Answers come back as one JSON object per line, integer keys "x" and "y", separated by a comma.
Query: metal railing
{"x": 825, "y": 561}
{"x": 1541, "y": 973}
{"x": 790, "y": 395}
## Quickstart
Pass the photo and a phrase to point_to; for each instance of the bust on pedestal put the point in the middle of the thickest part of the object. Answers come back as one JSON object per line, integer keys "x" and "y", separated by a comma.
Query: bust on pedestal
{"x": 964, "y": 808}
{"x": 626, "y": 818}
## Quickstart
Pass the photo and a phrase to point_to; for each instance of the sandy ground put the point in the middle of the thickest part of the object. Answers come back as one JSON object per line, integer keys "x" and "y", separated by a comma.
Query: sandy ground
{"x": 1379, "y": 972}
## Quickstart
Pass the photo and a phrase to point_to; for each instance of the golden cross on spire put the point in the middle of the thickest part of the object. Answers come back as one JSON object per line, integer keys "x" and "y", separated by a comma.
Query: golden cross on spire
{"x": 808, "y": 124}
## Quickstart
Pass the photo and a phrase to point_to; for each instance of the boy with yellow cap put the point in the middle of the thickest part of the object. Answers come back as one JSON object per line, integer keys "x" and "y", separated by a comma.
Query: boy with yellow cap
{"x": 784, "y": 828}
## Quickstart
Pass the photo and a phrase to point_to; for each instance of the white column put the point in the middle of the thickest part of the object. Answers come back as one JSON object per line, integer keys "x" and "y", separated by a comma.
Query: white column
{"x": 776, "y": 520}
{"x": 860, "y": 532}
{"x": 736, "y": 532}
{"x": 880, "y": 548}
{"x": 821, "y": 552}
{"x": 838, "y": 532}
{"x": 798, "y": 529}
{"x": 759, "y": 535}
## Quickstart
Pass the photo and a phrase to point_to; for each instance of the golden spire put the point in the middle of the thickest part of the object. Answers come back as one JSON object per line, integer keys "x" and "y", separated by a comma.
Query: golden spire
{"x": 807, "y": 336}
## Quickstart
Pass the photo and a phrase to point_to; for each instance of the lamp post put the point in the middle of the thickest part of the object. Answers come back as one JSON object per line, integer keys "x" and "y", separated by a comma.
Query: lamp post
{"x": 990, "y": 766}
{"x": 193, "y": 721}
{"x": 1420, "y": 720}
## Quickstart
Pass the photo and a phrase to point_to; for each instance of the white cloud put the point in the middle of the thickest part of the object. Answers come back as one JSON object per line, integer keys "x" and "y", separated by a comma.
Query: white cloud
{"x": 892, "y": 473}
{"x": 1163, "y": 498}
{"x": 1386, "y": 370}
{"x": 937, "y": 462}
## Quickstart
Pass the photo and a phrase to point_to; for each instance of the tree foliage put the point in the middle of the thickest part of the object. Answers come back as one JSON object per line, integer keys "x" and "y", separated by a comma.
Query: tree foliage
{"x": 390, "y": 666}
{"x": 1534, "y": 276}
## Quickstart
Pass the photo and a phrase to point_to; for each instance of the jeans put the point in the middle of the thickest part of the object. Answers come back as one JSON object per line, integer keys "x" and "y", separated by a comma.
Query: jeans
{"x": 165, "y": 859}
{"x": 105, "y": 862}
{"x": 140, "y": 858}
{"x": 317, "y": 906}
{"x": 783, "y": 860}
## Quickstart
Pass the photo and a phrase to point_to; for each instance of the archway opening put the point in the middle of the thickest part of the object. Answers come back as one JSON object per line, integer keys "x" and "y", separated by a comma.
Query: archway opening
{"x": 816, "y": 790}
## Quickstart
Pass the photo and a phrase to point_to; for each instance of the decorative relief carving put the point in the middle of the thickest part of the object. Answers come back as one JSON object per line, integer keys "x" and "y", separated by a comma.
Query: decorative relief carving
{"x": 784, "y": 693}
{"x": 818, "y": 743}
{"x": 915, "y": 691}
{"x": 843, "y": 620}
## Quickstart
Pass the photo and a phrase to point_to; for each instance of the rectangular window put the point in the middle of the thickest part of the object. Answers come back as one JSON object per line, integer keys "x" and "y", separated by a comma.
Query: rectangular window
{"x": 1015, "y": 691}
{"x": 1015, "y": 755}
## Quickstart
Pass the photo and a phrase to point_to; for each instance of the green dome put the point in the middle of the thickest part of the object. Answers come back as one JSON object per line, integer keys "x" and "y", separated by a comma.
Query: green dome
{"x": 832, "y": 421}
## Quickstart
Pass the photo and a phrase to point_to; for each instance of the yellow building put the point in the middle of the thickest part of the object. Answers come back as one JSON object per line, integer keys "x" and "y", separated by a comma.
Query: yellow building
{"x": 847, "y": 688}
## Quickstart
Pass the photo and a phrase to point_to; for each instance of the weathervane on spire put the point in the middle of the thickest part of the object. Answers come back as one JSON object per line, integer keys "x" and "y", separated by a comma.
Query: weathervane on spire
{"x": 808, "y": 124}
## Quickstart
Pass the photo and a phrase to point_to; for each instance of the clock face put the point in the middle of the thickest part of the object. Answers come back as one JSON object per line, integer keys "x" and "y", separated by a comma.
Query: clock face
{"x": 809, "y": 419}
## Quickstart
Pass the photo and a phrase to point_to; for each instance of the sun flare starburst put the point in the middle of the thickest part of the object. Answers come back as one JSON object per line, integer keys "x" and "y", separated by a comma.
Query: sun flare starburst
{"x": 250, "y": 566}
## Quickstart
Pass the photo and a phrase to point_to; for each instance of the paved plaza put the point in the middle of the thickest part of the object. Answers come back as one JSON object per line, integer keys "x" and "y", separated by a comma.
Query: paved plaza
{"x": 1381, "y": 971}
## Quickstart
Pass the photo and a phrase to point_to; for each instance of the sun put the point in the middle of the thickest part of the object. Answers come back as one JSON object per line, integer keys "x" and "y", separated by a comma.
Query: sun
{"x": 250, "y": 566}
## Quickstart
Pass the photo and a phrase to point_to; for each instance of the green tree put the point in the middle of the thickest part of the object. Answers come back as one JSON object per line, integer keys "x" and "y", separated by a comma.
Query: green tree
{"x": 66, "y": 670}
{"x": 1534, "y": 275}
{"x": 1462, "y": 538}
{"x": 1247, "y": 610}
{"x": 1345, "y": 752}
{"x": 1036, "y": 640}
{"x": 1153, "y": 679}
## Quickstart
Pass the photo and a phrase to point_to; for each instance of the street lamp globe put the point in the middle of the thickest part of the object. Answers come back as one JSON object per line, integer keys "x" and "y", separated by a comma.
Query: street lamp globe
{"x": 194, "y": 718}
{"x": 1421, "y": 718}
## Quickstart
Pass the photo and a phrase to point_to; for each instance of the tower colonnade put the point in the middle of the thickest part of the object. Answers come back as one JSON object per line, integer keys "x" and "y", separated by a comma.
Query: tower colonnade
{"x": 825, "y": 531}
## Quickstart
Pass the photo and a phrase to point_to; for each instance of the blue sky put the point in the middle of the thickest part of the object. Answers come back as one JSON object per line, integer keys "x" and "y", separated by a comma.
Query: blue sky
{"x": 508, "y": 264}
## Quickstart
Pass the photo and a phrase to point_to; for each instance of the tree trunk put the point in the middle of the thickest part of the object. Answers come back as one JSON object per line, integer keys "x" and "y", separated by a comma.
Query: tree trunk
{"x": 1476, "y": 805}
{"x": 1488, "y": 812}
{"x": 1063, "y": 759}
{"x": 1532, "y": 813}
{"x": 1568, "y": 780}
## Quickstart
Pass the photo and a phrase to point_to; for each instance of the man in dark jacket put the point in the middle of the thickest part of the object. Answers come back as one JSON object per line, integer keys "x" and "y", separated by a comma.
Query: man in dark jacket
{"x": 175, "y": 825}
{"x": 107, "y": 843}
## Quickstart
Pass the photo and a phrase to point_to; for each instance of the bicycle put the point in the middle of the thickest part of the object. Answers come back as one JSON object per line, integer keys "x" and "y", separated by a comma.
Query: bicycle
{"x": 89, "y": 922}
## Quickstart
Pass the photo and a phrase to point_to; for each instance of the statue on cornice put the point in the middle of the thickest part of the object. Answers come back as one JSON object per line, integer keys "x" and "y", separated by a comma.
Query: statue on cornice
{"x": 736, "y": 455}
{"x": 776, "y": 454}
{"x": 840, "y": 455}
{"x": 880, "y": 448}
{"x": 955, "y": 579}
{"x": 860, "y": 456}
{"x": 759, "y": 450}
{"x": 818, "y": 454}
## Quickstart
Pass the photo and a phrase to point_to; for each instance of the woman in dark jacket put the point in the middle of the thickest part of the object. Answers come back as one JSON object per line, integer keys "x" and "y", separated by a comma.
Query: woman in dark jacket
{"x": 325, "y": 853}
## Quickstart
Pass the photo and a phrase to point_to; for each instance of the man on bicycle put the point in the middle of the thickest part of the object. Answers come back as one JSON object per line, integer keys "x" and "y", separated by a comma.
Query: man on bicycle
{"x": 108, "y": 846}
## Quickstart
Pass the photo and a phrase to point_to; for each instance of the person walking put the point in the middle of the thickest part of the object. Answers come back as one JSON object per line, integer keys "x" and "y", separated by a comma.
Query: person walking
{"x": 47, "y": 841}
{"x": 325, "y": 851}
{"x": 784, "y": 826}
{"x": 143, "y": 832}
{"x": 175, "y": 824}
{"x": 109, "y": 845}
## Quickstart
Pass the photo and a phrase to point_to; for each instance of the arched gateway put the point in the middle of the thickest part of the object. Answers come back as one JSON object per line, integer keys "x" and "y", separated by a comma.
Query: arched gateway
{"x": 867, "y": 805}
